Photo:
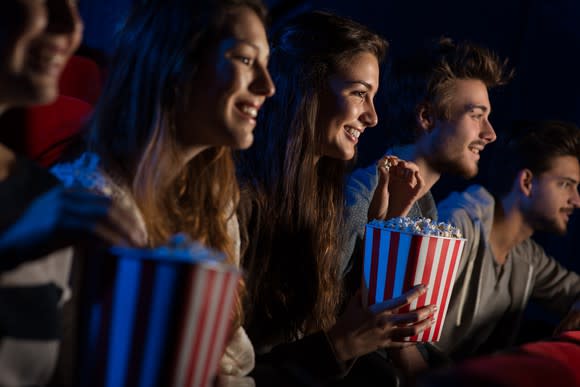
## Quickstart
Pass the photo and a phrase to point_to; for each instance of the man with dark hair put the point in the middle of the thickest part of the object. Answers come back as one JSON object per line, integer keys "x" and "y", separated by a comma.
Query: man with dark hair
{"x": 534, "y": 188}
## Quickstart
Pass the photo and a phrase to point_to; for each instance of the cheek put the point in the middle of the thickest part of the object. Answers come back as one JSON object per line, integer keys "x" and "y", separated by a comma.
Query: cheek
{"x": 446, "y": 140}
{"x": 77, "y": 34}
{"x": 27, "y": 23}
{"x": 549, "y": 201}
{"x": 341, "y": 112}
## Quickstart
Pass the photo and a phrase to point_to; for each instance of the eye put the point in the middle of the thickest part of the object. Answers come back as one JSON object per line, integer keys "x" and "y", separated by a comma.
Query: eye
{"x": 477, "y": 116}
{"x": 360, "y": 94}
{"x": 244, "y": 59}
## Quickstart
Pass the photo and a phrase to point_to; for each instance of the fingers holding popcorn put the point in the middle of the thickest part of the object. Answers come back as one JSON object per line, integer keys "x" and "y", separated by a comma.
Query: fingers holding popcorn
{"x": 380, "y": 202}
{"x": 405, "y": 187}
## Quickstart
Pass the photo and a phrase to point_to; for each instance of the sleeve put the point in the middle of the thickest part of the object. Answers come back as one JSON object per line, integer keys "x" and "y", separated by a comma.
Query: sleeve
{"x": 238, "y": 358}
{"x": 555, "y": 287}
{"x": 359, "y": 191}
{"x": 459, "y": 218}
{"x": 463, "y": 289}
{"x": 26, "y": 183}
{"x": 308, "y": 361}
{"x": 360, "y": 188}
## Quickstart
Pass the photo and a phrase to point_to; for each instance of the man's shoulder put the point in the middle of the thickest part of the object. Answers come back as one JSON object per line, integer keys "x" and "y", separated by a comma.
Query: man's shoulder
{"x": 528, "y": 250}
{"x": 475, "y": 201}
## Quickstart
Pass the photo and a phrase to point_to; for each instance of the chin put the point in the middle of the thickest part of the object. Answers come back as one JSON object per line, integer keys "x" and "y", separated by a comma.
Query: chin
{"x": 243, "y": 143}
{"x": 44, "y": 96}
{"x": 557, "y": 228}
{"x": 348, "y": 154}
{"x": 468, "y": 171}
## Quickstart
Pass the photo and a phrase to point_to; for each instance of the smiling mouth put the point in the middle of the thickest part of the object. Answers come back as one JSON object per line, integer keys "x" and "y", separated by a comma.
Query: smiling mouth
{"x": 48, "y": 63}
{"x": 567, "y": 213}
{"x": 352, "y": 133}
{"x": 475, "y": 150}
{"x": 248, "y": 111}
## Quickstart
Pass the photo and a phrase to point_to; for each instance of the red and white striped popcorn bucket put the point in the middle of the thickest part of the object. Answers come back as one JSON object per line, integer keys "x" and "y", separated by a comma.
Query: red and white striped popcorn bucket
{"x": 396, "y": 261}
{"x": 163, "y": 319}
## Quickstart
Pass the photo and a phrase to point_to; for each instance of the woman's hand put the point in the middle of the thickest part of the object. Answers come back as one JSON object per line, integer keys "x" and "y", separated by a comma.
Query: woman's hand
{"x": 234, "y": 381}
{"x": 360, "y": 331}
{"x": 400, "y": 185}
{"x": 62, "y": 217}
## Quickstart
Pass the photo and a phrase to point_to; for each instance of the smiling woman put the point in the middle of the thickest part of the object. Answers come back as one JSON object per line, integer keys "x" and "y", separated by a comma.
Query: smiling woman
{"x": 326, "y": 70}
{"x": 34, "y": 48}
{"x": 187, "y": 80}
{"x": 235, "y": 83}
{"x": 346, "y": 105}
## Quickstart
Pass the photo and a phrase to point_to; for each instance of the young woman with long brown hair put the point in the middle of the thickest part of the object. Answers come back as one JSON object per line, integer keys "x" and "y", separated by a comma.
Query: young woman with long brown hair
{"x": 186, "y": 83}
{"x": 326, "y": 70}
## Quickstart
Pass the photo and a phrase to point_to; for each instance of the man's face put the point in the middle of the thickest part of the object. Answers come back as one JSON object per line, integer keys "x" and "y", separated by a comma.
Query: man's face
{"x": 554, "y": 196}
{"x": 454, "y": 145}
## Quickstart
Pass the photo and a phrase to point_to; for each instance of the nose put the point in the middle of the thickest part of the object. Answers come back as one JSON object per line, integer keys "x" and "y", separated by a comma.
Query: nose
{"x": 63, "y": 18}
{"x": 575, "y": 199}
{"x": 487, "y": 131}
{"x": 369, "y": 116}
{"x": 263, "y": 84}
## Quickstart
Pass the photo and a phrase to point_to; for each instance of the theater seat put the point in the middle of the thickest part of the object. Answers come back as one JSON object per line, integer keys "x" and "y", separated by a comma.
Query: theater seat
{"x": 51, "y": 128}
{"x": 82, "y": 79}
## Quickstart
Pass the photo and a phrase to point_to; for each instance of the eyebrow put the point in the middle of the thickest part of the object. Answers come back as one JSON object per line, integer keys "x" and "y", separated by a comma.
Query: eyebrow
{"x": 253, "y": 45}
{"x": 365, "y": 84}
{"x": 471, "y": 106}
{"x": 569, "y": 179}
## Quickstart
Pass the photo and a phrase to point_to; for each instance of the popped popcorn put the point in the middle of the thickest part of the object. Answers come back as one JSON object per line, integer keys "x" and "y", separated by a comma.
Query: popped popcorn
{"x": 418, "y": 225}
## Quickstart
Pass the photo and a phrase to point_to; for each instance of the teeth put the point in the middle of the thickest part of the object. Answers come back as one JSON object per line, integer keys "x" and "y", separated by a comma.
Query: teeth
{"x": 250, "y": 110}
{"x": 50, "y": 60}
{"x": 353, "y": 132}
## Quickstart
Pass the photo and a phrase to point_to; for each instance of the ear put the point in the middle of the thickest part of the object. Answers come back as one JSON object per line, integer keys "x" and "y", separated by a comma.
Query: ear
{"x": 524, "y": 180}
{"x": 425, "y": 117}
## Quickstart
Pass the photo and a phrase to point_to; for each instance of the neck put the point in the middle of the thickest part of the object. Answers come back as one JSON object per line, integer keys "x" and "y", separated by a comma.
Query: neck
{"x": 190, "y": 153}
{"x": 509, "y": 228}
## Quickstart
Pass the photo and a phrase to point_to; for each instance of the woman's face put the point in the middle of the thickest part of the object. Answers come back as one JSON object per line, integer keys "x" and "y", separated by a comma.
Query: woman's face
{"x": 36, "y": 40}
{"x": 346, "y": 106}
{"x": 230, "y": 86}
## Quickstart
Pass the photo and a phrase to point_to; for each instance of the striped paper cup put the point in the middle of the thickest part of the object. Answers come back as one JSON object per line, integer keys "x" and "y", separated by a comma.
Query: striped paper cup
{"x": 396, "y": 261}
{"x": 158, "y": 319}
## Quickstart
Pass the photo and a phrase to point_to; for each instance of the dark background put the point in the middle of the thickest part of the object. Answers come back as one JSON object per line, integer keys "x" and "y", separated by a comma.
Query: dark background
{"x": 540, "y": 38}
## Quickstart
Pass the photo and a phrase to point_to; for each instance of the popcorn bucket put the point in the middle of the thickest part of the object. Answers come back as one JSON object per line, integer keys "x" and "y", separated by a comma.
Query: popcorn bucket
{"x": 163, "y": 319}
{"x": 396, "y": 261}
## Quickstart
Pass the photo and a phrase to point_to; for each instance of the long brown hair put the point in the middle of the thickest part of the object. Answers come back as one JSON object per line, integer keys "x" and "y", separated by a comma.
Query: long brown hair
{"x": 134, "y": 125}
{"x": 293, "y": 269}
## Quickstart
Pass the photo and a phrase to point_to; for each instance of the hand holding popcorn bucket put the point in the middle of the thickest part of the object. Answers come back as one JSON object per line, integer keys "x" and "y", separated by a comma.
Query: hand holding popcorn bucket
{"x": 163, "y": 320}
{"x": 401, "y": 253}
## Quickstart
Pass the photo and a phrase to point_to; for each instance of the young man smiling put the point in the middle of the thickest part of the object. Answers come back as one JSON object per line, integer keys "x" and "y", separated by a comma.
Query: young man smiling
{"x": 534, "y": 188}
